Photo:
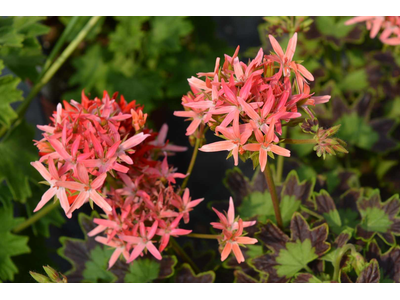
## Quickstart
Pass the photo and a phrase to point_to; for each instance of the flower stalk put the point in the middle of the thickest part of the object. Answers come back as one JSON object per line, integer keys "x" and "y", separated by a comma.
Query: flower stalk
{"x": 178, "y": 250}
{"x": 204, "y": 236}
{"x": 299, "y": 142}
{"x": 274, "y": 197}
{"x": 36, "y": 217}
{"x": 193, "y": 159}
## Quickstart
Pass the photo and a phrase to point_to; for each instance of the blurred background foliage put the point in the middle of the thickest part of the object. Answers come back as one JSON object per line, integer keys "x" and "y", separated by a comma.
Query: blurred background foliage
{"x": 149, "y": 59}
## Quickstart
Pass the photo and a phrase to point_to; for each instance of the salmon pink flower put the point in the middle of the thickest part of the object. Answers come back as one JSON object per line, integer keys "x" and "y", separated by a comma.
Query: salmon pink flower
{"x": 143, "y": 242}
{"x": 265, "y": 145}
{"x": 169, "y": 229}
{"x": 87, "y": 190}
{"x": 390, "y": 27}
{"x": 185, "y": 204}
{"x": 232, "y": 233}
{"x": 52, "y": 178}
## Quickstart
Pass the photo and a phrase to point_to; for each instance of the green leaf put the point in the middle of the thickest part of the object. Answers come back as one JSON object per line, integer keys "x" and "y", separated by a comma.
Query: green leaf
{"x": 355, "y": 129}
{"x": 354, "y": 81}
{"x": 96, "y": 266}
{"x": 16, "y": 153}
{"x": 8, "y": 94}
{"x": 332, "y": 26}
{"x": 9, "y": 37}
{"x": 294, "y": 258}
{"x": 142, "y": 271}
{"x": 379, "y": 218}
{"x": 24, "y": 58}
{"x": 290, "y": 255}
{"x": 10, "y": 244}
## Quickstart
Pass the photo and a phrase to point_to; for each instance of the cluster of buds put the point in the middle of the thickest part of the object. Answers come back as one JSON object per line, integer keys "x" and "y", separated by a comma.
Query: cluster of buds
{"x": 324, "y": 142}
{"x": 105, "y": 140}
{"x": 247, "y": 104}
{"x": 232, "y": 233}
{"x": 390, "y": 27}
{"x": 52, "y": 276}
{"x": 280, "y": 25}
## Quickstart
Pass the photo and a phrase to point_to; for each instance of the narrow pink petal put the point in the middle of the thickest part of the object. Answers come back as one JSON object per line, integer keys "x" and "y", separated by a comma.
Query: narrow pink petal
{"x": 136, "y": 252}
{"x": 97, "y": 230}
{"x": 277, "y": 48}
{"x": 263, "y": 158}
{"x": 114, "y": 257}
{"x": 218, "y": 146}
{"x": 98, "y": 182}
{"x": 134, "y": 141}
{"x": 42, "y": 170}
{"x": 47, "y": 196}
{"x": 153, "y": 250}
{"x": 79, "y": 201}
{"x": 72, "y": 185}
{"x": 231, "y": 211}
{"x": 59, "y": 148}
{"x": 63, "y": 201}
{"x": 193, "y": 126}
{"x": 291, "y": 49}
{"x": 162, "y": 134}
{"x": 246, "y": 240}
{"x": 194, "y": 203}
{"x": 100, "y": 201}
{"x": 238, "y": 253}
{"x": 280, "y": 151}
{"x": 227, "y": 250}
{"x": 252, "y": 147}
{"x": 83, "y": 174}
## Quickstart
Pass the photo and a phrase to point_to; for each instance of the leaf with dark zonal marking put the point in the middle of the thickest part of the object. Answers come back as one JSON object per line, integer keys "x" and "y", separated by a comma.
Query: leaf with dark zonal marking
{"x": 187, "y": 275}
{"x": 242, "y": 277}
{"x": 293, "y": 194}
{"x": 379, "y": 218}
{"x": 290, "y": 255}
{"x": 306, "y": 278}
{"x": 370, "y": 274}
{"x": 389, "y": 262}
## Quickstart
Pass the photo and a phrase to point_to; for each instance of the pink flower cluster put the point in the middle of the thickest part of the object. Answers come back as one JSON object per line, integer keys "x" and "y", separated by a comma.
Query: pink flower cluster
{"x": 247, "y": 104}
{"x": 105, "y": 139}
{"x": 390, "y": 27}
{"x": 232, "y": 233}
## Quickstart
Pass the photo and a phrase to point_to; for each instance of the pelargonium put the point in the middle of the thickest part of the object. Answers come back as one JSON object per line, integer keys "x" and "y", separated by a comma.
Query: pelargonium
{"x": 248, "y": 104}
{"x": 102, "y": 140}
{"x": 390, "y": 27}
{"x": 232, "y": 233}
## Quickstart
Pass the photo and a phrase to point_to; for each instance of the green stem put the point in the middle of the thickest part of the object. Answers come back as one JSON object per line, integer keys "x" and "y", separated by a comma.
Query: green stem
{"x": 308, "y": 269}
{"x": 52, "y": 70}
{"x": 192, "y": 161}
{"x": 36, "y": 217}
{"x": 336, "y": 263}
{"x": 274, "y": 197}
{"x": 204, "y": 236}
{"x": 59, "y": 44}
{"x": 280, "y": 160}
{"x": 297, "y": 142}
{"x": 178, "y": 249}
